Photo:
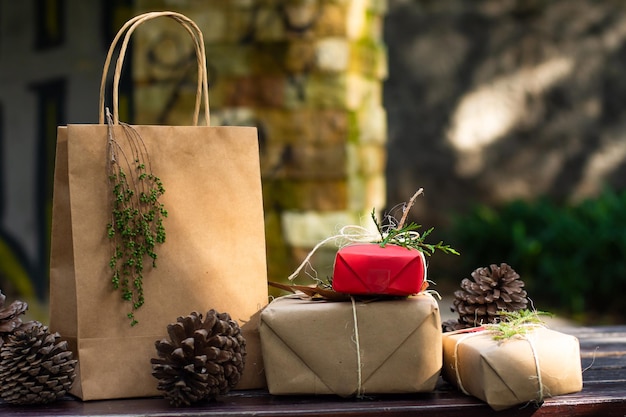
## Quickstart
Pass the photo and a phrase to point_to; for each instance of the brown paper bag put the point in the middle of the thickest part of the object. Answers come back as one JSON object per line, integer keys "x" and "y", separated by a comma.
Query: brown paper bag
{"x": 504, "y": 373}
{"x": 213, "y": 256}
{"x": 317, "y": 347}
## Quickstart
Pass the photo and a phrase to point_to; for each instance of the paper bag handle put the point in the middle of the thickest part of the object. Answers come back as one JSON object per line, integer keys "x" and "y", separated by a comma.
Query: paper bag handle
{"x": 202, "y": 92}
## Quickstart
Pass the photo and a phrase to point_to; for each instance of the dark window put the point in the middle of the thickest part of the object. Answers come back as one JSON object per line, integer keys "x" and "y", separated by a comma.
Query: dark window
{"x": 51, "y": 98}
{"x": 49, "y": 23}
{"x": 2, "y": 174}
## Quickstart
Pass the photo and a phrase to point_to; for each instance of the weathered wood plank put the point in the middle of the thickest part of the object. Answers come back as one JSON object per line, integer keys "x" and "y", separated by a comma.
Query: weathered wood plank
{"x": 606, "y": 399}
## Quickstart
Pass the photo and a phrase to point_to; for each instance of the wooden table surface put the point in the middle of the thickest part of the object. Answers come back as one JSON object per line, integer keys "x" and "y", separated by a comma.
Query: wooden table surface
{"x": 603, "y": 352}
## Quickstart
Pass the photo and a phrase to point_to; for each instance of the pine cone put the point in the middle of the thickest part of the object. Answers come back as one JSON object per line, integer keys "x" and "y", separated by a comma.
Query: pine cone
{"x": 493, "y": 289}
{"x": 10, "y": 316}
{"x": 201, "y": 359}
{"x": 453, "y": 325}
{"x": 35, "y": 367}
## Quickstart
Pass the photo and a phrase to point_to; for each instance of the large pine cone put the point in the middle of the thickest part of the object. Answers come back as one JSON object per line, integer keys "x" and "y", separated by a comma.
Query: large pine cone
{"x": 35, "y": 367}
{"x": 10, "y": 316}
{"x": 493, "y": 289}
{"x": 201, "y": 359}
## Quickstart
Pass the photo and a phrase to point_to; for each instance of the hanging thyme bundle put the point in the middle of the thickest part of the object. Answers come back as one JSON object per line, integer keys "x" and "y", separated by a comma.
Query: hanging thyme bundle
{"x": 137, "y": 215}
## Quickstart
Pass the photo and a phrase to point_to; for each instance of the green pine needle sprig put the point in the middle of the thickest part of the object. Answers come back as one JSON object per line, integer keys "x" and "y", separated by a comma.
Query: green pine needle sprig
{"x": 408, "y": 237}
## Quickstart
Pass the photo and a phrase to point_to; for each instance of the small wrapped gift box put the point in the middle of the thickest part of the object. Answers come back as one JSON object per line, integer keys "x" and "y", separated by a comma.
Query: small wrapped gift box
{"x": 372, "y": 269}
{"x": 351, "y": 348}
{"x": 505, "y": 373}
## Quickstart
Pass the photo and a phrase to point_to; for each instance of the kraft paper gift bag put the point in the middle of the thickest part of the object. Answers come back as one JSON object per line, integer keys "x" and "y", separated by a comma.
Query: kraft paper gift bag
{"x": 505, "y": 373}
{"x": 351, "y": 348}
{"x": 214, "y": 251}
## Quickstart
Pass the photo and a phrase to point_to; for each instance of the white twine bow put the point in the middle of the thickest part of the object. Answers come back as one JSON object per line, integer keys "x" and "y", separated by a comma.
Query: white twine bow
{"x": 358, "y": 234}
{"x": 347, "y": 235}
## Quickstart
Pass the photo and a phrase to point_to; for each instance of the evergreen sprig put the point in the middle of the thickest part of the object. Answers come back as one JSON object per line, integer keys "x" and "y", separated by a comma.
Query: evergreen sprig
{"x": 137, "y": 216}
{"x": 408, "y": 237}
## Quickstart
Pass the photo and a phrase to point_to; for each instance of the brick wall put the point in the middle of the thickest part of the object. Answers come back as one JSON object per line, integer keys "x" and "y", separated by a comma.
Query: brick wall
{"x": 309, "y": 75}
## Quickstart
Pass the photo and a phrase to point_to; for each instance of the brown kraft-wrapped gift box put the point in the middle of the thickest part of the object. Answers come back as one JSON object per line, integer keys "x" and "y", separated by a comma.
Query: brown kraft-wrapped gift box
{"x": 504, "y": 373}
{"x": 311, "y": 347}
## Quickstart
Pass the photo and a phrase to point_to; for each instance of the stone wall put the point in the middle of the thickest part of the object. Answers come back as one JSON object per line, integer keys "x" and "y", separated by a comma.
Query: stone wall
{"x": 490, "y": 101}
{"x": 308, "y": 74}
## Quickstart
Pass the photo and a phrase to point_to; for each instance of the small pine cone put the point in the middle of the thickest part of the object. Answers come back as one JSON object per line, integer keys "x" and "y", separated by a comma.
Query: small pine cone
{"x": 201, "y": 359}
{"x": 453, "y": 325}
{"x": 494, "y": 289}
{"x": 35, "y": 367}
{"x": 10, "y": 316}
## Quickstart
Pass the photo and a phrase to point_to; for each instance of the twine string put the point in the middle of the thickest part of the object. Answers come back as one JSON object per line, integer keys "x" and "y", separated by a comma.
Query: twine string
{"x": 540, "y": 392}
{"x": 456, "y": 360}
{"x": 359, "y": 391}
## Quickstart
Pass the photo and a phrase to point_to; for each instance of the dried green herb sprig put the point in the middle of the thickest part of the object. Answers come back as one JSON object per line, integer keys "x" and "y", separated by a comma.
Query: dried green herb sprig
{"x": 137, "y": 215}
{"x": 516, "y": 323}
{"x": 408, "y": 236}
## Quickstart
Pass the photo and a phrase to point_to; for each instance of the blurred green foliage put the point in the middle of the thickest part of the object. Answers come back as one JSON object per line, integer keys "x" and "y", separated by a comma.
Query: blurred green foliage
{"x": 571, "y": 256}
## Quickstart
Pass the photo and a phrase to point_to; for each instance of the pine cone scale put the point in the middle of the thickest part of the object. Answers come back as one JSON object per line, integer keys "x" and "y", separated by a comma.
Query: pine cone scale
{"x": 178, "y": 355}
{"x": 176, "y": 331}
{"x": 188, "y": 346}
{"x": 10, "y": 316}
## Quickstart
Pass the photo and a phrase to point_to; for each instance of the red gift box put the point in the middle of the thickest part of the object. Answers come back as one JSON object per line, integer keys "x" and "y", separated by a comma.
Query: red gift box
{"x": 371, "y": 269}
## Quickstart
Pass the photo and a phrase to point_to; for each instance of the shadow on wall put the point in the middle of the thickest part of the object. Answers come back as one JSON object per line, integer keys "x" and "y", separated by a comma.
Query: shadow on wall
{"x": 493, "y": 101}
